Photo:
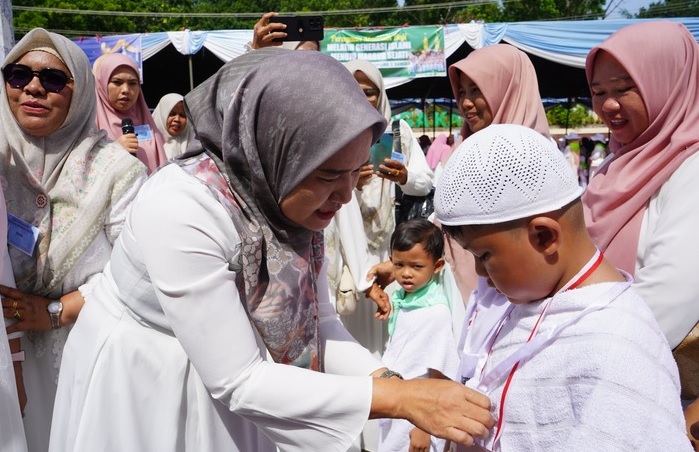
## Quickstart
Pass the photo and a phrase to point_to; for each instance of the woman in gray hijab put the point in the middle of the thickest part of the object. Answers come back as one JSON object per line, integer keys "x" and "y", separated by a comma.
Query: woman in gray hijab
{"x": 211, "y": 328}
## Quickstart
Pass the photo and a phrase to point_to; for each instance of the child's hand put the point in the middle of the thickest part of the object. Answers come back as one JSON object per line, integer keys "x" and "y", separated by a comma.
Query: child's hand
{"x": 383, "y": 304}
{"x": 419, "y": 441}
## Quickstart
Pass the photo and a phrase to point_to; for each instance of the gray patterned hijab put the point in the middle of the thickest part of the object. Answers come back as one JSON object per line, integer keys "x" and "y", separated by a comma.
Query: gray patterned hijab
{"x": 272, "y": 117}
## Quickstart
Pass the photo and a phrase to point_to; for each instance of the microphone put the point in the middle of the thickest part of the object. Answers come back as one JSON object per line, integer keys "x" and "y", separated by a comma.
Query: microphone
{"x": 127, "y": 126}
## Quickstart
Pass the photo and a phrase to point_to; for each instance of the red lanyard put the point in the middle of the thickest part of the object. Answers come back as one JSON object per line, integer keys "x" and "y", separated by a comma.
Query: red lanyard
{"x": 582, "y": 275}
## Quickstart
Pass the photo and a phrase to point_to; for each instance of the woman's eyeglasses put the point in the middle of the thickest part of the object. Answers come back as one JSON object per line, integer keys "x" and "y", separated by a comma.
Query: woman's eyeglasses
{"x": 370, "y": 92}
{"x": 18, "y": 76}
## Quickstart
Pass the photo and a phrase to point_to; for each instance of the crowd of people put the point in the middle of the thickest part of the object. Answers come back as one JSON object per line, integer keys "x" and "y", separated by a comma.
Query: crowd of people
{"x": 267, "y": 266}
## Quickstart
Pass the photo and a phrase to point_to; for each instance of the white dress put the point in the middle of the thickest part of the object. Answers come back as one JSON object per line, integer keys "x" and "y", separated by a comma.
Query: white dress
{"x": 164, "y": 358}
{"x": 44, "y": 349}
{"x": 607, "y": 382}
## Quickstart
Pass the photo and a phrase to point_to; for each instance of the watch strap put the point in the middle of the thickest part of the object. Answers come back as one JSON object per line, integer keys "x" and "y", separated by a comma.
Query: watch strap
{"x": 388, "y": 373}
{"x": 55, "y": 317}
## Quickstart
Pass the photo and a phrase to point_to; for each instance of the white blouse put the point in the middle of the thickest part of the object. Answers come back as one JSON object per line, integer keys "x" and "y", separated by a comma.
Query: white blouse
{"x": 666, "y": 260}
{"x": 170, "y": 290}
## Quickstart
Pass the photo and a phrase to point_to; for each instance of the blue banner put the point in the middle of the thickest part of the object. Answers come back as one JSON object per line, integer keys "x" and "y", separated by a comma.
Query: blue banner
{"x": 99, "y": 46}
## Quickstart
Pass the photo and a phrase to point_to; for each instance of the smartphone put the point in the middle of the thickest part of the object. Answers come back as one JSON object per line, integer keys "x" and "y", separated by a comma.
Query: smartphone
{"x": 381, "y": 150}
{"x": 301, "y": 28}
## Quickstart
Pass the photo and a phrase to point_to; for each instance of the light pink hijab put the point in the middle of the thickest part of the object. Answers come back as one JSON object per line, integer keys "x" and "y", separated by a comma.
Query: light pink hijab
{"x": 666, "y": 73}
{"x": 438, "y": 151}
{"x": 151, "y": 152}
{"x": 507, "y": 79}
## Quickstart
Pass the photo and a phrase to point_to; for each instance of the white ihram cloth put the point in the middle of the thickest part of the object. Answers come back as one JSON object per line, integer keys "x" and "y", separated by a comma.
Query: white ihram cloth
{"x": 126, "y": 381}
{"x": 607, "y": 382}
{"x": 423, "y": 339}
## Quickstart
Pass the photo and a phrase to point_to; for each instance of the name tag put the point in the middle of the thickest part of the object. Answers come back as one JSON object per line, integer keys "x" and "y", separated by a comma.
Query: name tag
{"x": 21, "y": 235}
{"x": 398, "y": 157}
{"x": 143, "y": 132}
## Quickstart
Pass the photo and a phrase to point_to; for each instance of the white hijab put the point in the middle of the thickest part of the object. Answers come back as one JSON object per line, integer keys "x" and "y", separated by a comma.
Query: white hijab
{"x": 174, "y": 146}
{"x": 63, "y": 183}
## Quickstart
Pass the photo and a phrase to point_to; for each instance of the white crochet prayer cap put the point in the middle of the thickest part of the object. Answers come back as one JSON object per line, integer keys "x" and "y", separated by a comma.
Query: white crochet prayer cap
{"x": 504, "y": 172}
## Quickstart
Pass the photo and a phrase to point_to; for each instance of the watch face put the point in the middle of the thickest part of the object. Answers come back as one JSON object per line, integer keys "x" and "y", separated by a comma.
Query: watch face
{"x": 54, "y": 308}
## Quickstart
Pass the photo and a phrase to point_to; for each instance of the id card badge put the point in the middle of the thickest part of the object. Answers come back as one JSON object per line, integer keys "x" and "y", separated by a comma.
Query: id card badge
{"x": 21, "y": 235}
{"x": 143, "y": 132}
{"x": 398, "y": 156}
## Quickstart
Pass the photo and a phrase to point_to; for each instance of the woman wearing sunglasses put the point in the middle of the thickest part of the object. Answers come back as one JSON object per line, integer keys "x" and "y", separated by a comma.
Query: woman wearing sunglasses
{"x": 67, "y": 189}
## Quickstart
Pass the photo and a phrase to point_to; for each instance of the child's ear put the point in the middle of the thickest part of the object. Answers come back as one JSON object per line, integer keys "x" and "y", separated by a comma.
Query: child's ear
{"x": 439, "y": 265}
{"x": 544, "y": 234}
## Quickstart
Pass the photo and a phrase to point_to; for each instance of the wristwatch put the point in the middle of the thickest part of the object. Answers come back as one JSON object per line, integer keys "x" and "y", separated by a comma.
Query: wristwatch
{"x": 388, "y": 373}
{"x": 55, "y": 309}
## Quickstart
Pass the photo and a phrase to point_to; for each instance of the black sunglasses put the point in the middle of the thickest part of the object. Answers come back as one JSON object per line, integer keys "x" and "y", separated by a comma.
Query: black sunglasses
{"x": 19, "y": 76}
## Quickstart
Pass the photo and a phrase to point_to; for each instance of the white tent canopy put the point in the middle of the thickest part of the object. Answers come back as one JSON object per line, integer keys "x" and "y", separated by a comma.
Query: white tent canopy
{"x": 563, "y": 42}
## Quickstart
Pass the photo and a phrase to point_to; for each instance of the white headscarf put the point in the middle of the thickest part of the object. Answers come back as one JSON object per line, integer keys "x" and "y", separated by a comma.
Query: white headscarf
{"x": 62, "y": 183}
{"x": 373, "y": 73}
{"x": 174, "y": 146}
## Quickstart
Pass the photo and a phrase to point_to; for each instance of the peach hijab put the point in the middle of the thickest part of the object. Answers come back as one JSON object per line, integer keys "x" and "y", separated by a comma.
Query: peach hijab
{"x": 151, "y": 152}
{"x": 507, "y": 79}
{"x": 667, "y": 76}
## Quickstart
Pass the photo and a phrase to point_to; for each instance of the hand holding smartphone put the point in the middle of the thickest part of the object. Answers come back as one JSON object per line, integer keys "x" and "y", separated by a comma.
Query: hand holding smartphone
{"x": 301, "y": 28}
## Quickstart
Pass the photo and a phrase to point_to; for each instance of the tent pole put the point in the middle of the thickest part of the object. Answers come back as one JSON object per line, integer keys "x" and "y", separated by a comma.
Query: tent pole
{"x": 191, "y": 74}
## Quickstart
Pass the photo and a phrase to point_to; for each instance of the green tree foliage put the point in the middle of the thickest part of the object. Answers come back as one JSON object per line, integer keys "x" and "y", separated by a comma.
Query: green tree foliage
{"x": 576, "y": 116}
{"x": 516, "y": 11}
{"x": 670, "y": 8}
{"x": 487, "y": 11}
{"x": 90, "y": 24}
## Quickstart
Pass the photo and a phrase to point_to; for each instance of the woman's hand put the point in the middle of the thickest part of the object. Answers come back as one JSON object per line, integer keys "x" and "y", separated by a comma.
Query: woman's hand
{"x": 443, "y": 408}
{"x": 29, "y": 310}
{"x": 383, "y": 304}
{"x": 383, "y": 272}
{"x": 129, "y": 141}
{"x": 365, "y": 174}
{"x": 394, "y": 171}
{"x": 264, "y": 33}
{"x": 32, "y": 309}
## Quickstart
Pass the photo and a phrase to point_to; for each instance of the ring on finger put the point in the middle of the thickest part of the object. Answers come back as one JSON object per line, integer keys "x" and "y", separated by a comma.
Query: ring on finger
{"x": 15, "y": 304}
{"x": 16, "y": 315}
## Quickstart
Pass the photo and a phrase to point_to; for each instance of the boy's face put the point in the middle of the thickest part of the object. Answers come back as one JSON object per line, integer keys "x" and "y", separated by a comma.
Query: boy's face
{"x": 414, "y": 268}
{"x": 508, "y": 261}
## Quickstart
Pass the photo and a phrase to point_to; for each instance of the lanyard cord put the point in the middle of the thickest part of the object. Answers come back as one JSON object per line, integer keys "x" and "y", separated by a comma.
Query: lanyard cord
{"x": 581, "y": 276}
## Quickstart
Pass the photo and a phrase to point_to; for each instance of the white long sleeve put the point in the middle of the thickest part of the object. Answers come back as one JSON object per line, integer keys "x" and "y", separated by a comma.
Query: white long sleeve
{"x": 666, "y": 263}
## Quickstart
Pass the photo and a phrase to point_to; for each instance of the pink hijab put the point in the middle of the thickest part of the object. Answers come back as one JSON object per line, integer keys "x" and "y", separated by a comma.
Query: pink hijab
{"x": 151, "y": 152}
{"x": 667, "y": 76}
{"x": 438, "y": 151}
{"x": 507, "y": 79}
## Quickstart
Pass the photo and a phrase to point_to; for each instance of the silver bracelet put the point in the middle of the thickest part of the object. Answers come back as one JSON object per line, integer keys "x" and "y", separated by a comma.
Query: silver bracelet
{"x": 388, "y": 373}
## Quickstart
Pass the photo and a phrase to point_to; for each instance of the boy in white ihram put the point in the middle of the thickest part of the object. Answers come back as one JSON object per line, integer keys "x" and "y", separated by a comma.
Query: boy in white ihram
{"x": 570, "y": 356}
{"x": 421, "y": 342}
